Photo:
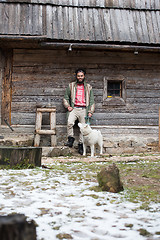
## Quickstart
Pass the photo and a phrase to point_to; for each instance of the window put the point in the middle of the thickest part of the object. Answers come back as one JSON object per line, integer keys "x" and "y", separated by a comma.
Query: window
{"x": 114, "y": 92}
{"x": 114, "y": 89}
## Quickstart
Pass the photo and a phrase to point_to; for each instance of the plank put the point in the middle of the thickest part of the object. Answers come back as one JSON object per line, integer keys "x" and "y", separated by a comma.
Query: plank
{"x": 102, "y": 25}
{"x": 47, "y": 58}
{"x": 121, "y": 25}
{"x": 155, "y": 27}
{"x": 59, "y": 23}
{"x": 37, "y": 99}
{"x": 107, "y": 26}
{"x": 102, "y": 119}
{"x": 138, "y": 28}
{"x": 32, "y": 91}
{"x": 114, "y": 25}
{"x": 11, "y": 24}
{"x": 35, "y": 23}
{"x": 71, "y": 24}
{"x": 22, "y": 19}
{"x": 1, "y": 17}
{"x": 157, "y": 13}
{"x": 5, "y": 19}
{"x": 86, "y": 26}
{"x": 46, "y": 132}
{"x": 66, "y": 22}
{"x": 40, "y": 20}
{"x": 144, "y": 28}
{"x": 96, "y": 25}
{"x": 81, "y": 23}
{"x": 24, "y": 107}
{"x": 49, "y": 23}
{"x": 76, "y": 23}
{"x": 17, "y": 19}
{"x": 29, "y": 119}
{"x": 133, "y": 36}
{"x": 143, "y": 93}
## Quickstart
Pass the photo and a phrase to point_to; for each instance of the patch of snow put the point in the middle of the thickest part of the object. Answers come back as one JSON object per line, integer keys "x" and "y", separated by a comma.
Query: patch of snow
{"x": 61, "y": 205}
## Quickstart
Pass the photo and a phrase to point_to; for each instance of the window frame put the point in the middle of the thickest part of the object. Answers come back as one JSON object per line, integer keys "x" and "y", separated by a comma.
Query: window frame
{"x": 114, "y": 100}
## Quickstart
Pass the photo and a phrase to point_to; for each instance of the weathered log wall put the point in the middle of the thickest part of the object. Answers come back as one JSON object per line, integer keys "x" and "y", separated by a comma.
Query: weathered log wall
{"x": 43, "y": 75}
{"x": 1, "y": 78}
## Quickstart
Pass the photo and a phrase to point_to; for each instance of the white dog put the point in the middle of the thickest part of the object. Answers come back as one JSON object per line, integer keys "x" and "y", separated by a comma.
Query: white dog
{"x": 90, "y": 138}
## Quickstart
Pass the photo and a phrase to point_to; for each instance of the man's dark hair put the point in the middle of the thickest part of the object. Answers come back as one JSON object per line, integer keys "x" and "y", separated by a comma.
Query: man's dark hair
{"x": 80, "y": 70}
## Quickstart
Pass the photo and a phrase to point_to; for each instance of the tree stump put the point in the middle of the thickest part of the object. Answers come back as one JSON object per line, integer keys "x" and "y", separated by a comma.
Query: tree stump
{"x": 16, "y": 227}
{"x": 109, "y": 179}
{"x": 20, "y": 156}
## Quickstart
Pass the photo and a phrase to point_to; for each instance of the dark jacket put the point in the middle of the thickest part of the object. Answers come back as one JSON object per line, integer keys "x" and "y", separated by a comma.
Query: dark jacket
{"x": 70, "y": 95}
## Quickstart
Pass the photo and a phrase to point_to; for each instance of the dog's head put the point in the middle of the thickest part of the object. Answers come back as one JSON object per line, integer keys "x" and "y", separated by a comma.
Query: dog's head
{"x": 84, "y": 128}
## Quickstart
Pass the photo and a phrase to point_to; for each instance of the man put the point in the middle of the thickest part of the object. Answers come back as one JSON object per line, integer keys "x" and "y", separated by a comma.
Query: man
{"x": 79, "y": 101}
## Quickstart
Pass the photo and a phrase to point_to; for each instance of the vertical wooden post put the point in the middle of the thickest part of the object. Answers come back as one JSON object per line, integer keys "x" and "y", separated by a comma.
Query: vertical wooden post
{"x": 1, "y": 77}
{"x": 53, "y": 127}
{"x": 159, "y": 128}
{"x": 38, "y": 127}
{"x": 7, "y": 55}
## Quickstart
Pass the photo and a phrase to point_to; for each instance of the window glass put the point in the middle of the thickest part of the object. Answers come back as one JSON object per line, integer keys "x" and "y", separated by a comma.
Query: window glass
{"x": 114, "y": 89}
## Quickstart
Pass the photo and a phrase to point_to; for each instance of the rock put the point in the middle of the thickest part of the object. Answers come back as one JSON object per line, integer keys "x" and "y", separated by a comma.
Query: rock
{"x": 61, "y": 151}
{"x": 64, "y": 236}
{"x": 109, "y": 179}
{"x": 144, "y": 232}
{"x": 16, "y": 227}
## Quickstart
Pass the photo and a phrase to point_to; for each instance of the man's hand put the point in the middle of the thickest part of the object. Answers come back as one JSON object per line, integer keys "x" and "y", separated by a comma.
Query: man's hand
{"x": 89, "y": 115}
{"x": 70, "y": 109}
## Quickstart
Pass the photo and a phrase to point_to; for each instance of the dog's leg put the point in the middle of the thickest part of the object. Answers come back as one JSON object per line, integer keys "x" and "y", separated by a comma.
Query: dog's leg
{"x": 101, "y": 149}
{"x": 84, "y": 149}
{"x": 92, "y": 150}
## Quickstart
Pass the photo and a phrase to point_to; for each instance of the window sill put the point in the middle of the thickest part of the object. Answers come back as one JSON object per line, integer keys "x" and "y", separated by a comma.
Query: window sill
{"x": 114, "y": 101}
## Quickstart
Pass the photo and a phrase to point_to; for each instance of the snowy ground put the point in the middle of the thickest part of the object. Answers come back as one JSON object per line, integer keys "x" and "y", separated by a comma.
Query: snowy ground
{"x": 62, "y": 202}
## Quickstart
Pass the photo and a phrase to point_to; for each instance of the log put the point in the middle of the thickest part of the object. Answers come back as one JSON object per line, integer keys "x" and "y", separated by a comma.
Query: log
{"x": 99, "y": 46}
{"x": 22, "y": 156}
{"x": 16, "y": 227}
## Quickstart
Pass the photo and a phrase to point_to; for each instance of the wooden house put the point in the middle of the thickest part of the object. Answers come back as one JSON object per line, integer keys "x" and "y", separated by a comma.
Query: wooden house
{"x": 43, "y": 42}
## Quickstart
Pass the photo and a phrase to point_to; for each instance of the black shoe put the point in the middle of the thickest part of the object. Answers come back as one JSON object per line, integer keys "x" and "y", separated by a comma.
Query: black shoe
{"x": 80, "y": 148}
{"x": 70, "y": 141}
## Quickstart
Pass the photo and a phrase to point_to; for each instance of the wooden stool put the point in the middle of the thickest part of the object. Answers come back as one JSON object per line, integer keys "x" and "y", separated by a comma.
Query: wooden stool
{"x": 51, "y": 131}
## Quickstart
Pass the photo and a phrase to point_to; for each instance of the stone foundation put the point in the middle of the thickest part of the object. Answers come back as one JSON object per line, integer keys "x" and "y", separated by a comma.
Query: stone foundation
{"x": 117, "y": 139}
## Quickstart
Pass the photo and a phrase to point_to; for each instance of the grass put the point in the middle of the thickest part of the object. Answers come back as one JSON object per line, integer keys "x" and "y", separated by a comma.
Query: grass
{"x": 140, "y": 179}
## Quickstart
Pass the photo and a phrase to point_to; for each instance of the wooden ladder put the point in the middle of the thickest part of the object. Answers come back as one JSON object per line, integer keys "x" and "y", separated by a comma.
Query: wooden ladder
{"x": 51, "y": 131}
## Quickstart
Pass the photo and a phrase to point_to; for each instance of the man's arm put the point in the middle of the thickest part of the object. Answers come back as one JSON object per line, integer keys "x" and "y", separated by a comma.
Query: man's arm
{"x": 66, "y": 99}
{"x": 91, "y": 104}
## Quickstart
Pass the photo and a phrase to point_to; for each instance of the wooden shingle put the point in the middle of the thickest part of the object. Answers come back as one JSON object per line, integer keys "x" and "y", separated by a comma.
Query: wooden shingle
{"x": 90, "y": 21}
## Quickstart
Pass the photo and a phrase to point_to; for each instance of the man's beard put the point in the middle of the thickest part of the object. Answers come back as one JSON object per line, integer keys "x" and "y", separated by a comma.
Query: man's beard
{"x": 80, "y": 82}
